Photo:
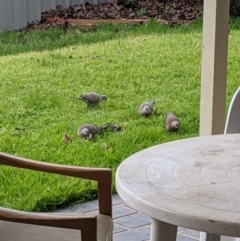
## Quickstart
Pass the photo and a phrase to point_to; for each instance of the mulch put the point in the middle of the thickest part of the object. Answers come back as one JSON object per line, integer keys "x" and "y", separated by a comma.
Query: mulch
{"x": 134, "y": 11}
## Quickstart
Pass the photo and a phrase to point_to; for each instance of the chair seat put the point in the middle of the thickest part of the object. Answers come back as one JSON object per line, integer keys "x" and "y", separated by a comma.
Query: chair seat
{"x": 104, "y": 228}
{"x": 10, "y": 231}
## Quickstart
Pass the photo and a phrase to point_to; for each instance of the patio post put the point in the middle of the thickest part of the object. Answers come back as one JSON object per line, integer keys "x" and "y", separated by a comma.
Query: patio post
{"x": 214, "y": 66}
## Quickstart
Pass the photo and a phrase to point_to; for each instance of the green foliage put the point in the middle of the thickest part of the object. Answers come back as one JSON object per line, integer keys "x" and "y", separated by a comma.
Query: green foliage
{"x": 141, "y": 12}
{"x": 130, "y": 64}
{"x": 128, "y": 3}
{"x": 235, "y": 7}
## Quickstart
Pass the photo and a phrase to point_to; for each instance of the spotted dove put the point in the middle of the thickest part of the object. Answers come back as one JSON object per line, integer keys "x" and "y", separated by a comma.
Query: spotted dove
{"x": 146, "y": 108}
{"x": 92, "y": 99}
{"x": 88, "y": 131}
{"x": 172, "y": 122}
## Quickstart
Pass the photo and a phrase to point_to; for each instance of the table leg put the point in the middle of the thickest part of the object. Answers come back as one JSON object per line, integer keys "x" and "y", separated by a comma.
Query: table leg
{"x": 212, "y": 237}
{"x": 161, "y": 231}
{"x": 226, "y": 238}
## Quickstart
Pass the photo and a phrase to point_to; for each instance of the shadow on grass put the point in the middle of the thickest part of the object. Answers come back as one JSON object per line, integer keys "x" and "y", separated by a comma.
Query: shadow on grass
{"x": 46, "y": 204}
{"x": 16, "y": 42}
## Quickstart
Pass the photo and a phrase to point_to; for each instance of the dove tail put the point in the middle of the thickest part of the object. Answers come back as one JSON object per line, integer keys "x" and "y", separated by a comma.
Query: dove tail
{"x": 105, "y": 126}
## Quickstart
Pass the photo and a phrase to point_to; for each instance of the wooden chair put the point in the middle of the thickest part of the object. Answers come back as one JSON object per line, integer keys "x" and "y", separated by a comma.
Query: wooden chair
{"x": 26, "y": 226}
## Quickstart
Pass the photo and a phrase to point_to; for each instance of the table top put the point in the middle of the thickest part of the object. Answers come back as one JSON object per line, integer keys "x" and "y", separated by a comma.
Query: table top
{"x": 192, "y": 183}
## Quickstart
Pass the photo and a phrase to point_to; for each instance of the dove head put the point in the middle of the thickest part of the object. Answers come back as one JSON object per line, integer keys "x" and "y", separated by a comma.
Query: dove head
{"x": 85, "y": 132}
{"x": 104, "y": 97}
{"x": 152, "y": 102}
{"x": 169, "y": 114}
{"x": 146, "y": 110}
{"x": 175, "y": 125}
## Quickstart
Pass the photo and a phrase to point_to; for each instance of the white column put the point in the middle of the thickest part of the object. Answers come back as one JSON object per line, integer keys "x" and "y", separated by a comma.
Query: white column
{"x": 214, "y": 69}
{"x": 214, "y": 66}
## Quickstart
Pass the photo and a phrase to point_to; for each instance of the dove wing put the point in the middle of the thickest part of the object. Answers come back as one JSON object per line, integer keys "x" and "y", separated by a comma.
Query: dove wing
{"x": 92, "y": 98}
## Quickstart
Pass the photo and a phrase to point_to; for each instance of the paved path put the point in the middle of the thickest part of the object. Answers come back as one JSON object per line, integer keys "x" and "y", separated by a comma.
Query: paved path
{"x": 129, "y": 224}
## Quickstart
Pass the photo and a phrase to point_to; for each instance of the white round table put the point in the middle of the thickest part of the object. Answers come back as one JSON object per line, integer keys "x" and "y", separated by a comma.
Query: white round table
{"x": 192, "y": 183}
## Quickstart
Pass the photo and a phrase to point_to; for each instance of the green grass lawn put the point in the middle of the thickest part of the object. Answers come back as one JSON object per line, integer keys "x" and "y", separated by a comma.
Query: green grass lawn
{"x": 42, "y": 70}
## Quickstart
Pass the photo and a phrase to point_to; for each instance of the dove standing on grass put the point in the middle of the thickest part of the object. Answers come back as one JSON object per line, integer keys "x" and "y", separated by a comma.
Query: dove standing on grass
{"x": 172, "y": 122}
{"x": 88, "y": 131}
{"x": 146, "y": 108}
{"x": 92, "y": 99}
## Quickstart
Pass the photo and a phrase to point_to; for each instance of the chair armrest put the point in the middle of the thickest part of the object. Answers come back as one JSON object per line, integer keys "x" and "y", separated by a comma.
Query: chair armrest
{"x": 102, "y": 175}
{"x": 98, "y": 174}
{"x": 87, "y": 223}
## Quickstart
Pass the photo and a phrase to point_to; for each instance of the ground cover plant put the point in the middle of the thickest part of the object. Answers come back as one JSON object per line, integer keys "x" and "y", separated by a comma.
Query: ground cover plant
{"x": 42, "y": 70}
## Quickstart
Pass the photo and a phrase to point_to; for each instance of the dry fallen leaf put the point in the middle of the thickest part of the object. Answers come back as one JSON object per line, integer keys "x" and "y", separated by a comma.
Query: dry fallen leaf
{"x": 94, "y": 56}
{"x": 166, "y": 10}
{"x": 116, "y": 128}
{"x": 20, "y": 128}
{"x": 119, "y": 50}
{"x": 106, "y": 147}
{"x": 77, "y": 31}
{"x": 67, "y": 138}
{"x": 65, "y": 25}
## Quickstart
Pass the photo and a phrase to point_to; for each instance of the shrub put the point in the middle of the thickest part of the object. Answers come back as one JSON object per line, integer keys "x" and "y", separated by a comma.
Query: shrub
{"x": 235, "y": 7}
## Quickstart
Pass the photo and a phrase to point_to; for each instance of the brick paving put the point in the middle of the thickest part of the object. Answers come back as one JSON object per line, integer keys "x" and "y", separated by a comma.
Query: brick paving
{"x": 129, "y": 224}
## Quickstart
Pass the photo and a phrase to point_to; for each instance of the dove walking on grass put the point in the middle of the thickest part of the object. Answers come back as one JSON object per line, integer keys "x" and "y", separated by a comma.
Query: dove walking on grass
{"x": 146, "y": 108}
{"x": 92, "y": 99}
{"x": 88, "y": 131}
{"x": 172, "y": 122}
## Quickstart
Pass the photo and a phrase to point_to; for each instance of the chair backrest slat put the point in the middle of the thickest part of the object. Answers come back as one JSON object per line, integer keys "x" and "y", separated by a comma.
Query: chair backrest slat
{"x": 233, "y": 117}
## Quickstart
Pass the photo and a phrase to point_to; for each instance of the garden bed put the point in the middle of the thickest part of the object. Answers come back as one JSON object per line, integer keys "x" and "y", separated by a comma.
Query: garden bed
{"x": 166, "y": 12}
{"x": 90, "y": 22}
